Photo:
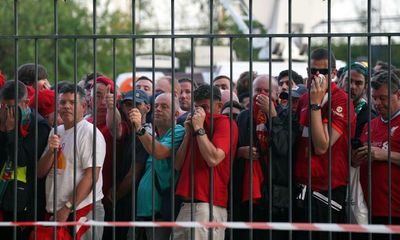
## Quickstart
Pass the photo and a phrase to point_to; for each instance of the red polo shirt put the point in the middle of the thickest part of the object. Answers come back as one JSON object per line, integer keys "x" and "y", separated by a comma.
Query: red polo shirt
{"x": 380, "y": 170}
{"x": 319, "y": 163}
{"x": 220, "y": 139}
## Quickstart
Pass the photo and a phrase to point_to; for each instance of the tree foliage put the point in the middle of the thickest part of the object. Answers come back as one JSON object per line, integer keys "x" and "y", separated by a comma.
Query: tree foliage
{"x": 36, "y": 18}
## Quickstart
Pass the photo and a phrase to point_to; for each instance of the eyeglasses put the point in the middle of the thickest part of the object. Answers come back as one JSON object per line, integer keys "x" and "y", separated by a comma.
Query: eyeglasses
{"x": 323, "y": 71}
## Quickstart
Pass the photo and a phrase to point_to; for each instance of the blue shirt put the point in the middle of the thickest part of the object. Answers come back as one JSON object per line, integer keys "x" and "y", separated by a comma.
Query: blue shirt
{"x": 163, "y": 174}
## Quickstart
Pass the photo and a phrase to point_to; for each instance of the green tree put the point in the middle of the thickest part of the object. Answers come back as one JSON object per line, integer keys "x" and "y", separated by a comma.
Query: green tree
{"x": 36, "y": 18}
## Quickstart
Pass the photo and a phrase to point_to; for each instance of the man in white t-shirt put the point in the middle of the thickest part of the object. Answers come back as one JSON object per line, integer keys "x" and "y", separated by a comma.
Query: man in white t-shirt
{"x": 63, "y": 142}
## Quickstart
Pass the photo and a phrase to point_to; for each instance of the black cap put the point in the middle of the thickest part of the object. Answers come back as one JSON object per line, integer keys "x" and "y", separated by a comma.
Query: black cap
{"x": 140, "y": 96}
{"x": 297, "y": 91}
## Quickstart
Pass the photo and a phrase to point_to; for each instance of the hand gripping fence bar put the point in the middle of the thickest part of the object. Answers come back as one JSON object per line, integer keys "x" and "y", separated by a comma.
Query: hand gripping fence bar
{"x": 283, "y": 226}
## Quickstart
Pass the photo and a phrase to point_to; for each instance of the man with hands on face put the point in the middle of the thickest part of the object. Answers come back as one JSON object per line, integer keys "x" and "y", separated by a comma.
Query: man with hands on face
{"x": 263, "y": 111}
{"x": 319, "y": 75}
{"x": 63, "y": 143}
{"x": 26, "y": 157}
{"x": 210, "y": 150}
{"x": 379, "y": 151}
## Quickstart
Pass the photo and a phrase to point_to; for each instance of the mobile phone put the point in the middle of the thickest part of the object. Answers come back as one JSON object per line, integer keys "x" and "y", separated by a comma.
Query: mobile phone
{"x": 356, "y": 143}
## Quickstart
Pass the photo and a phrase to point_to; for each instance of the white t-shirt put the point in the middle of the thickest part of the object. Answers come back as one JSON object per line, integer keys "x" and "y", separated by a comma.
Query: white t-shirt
{"x": 65, "y": 169}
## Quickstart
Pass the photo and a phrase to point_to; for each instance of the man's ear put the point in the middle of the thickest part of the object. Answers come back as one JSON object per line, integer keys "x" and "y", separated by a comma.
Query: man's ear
{"x": 398, "y": 93}
{"x": 26, "y": 102}
{"x": 148, "y": 107}
{"x": 333, "y": 73}
{"x": 220, "y": 105}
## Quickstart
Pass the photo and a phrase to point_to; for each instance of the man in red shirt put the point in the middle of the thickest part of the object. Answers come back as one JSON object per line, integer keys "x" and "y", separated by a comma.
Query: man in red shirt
{"x": 317, "y": 126}
{"x": 212, "y": 151}
{"x": 379, "y": 207}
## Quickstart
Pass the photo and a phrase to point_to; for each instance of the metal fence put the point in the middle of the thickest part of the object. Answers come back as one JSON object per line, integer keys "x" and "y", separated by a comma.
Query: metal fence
{"x": 211, "y": 36}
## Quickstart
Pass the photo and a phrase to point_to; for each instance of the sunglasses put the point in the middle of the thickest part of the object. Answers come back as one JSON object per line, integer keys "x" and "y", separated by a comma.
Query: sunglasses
{"x": 323, "y": 71}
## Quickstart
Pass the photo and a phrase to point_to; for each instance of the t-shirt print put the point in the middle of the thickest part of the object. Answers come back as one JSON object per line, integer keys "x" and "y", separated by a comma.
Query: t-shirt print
{"x": 61, "y": 161}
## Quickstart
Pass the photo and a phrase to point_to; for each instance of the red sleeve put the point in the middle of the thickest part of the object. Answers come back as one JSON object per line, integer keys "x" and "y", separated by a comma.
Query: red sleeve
{"x": 2, "y": 81}
{"x": 221, "y": 135}
{"x": 340, "y": 113}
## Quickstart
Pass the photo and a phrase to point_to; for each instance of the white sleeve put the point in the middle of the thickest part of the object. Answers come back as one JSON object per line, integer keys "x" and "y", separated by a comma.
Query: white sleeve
{"x": 86, "y": 148}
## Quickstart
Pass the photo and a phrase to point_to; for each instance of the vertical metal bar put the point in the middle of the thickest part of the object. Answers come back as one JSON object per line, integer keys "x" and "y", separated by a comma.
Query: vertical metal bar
{"x": 153, "y": 201}
{"x": 251, "y": 216}
{"x": 211, "y": 187}
{"x": 35, "y": 194}
{"x": 173, "y": 113}
{"x": 153, "y": 176}
{"x": 75, "y": 132}
{"x": 290, "y": 114}
{"x": 309, "y": 185}
{"x": 192, "y": 179}
{"x": 349, "y": 198}
{"x": 269, "y": 134}
{"x": 94, "y": 159}
{"x": 133, "y": 189}
{"x": 389, "y": 130}
{"x": 55, "y": 112}
{"x": 329, "y": 120}
{"x": 114, "y": 130}
{"x": 231, "y": 134}
{"x": 369, "y": 117}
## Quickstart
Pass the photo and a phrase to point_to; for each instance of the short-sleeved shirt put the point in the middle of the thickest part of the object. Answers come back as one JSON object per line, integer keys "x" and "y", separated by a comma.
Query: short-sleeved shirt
{"x": 163, "y": 172}
{"x": 108, "y": 162}
{"x": 221, "y": 140}
{"x": 319, "y": 163}
{"x": 65, "y": 164}
{"x": 380, "y": 177}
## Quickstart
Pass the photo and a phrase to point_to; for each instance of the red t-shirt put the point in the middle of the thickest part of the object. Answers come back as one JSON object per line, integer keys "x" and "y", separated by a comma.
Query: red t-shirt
{"x": 380, "y": 174}
{"x": 108, "y": 160}
{"x": 220, "y": 139}
{"x": 319, "y": 163}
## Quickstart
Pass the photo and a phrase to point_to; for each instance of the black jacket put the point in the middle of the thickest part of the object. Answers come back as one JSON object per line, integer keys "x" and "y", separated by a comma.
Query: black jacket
{"x": 26, "y": 157}
{"x": 278, "y": 144}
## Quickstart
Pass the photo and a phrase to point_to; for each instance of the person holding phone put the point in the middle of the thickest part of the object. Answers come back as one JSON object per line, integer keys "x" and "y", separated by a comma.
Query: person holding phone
{"x": 320, "y": 77}
{"x": 379, "y": 152}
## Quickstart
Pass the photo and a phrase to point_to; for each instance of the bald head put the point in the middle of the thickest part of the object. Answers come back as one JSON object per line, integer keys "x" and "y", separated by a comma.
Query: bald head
{"x": 164, "y": 85}
{"x": 261, "y": 85}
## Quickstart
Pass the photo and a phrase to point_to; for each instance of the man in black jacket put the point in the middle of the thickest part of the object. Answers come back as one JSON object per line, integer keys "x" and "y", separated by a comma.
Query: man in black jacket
{"x": 28, "y": 152}
{"x": 270, "y": 132}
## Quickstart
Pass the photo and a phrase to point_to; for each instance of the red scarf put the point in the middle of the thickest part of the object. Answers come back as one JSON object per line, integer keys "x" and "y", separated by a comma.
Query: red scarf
{"x": 260, "y": 119}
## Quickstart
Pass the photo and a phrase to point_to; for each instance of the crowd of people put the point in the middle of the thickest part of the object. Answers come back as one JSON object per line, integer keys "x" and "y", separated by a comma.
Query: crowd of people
{"x": 262, "y": 148}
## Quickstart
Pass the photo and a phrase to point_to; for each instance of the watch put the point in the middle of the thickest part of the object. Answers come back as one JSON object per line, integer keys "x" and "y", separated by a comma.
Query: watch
{"x": 70, "y": 206}
{"x": 200, "y": 132}
{"x": 141, "y": 131}
{"x": 315, "y": 107}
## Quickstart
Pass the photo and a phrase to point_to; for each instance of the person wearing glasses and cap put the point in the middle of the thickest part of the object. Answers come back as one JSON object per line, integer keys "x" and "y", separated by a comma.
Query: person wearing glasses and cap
{"x": 132, "y": 101}
{"x": 320, "y": 73}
